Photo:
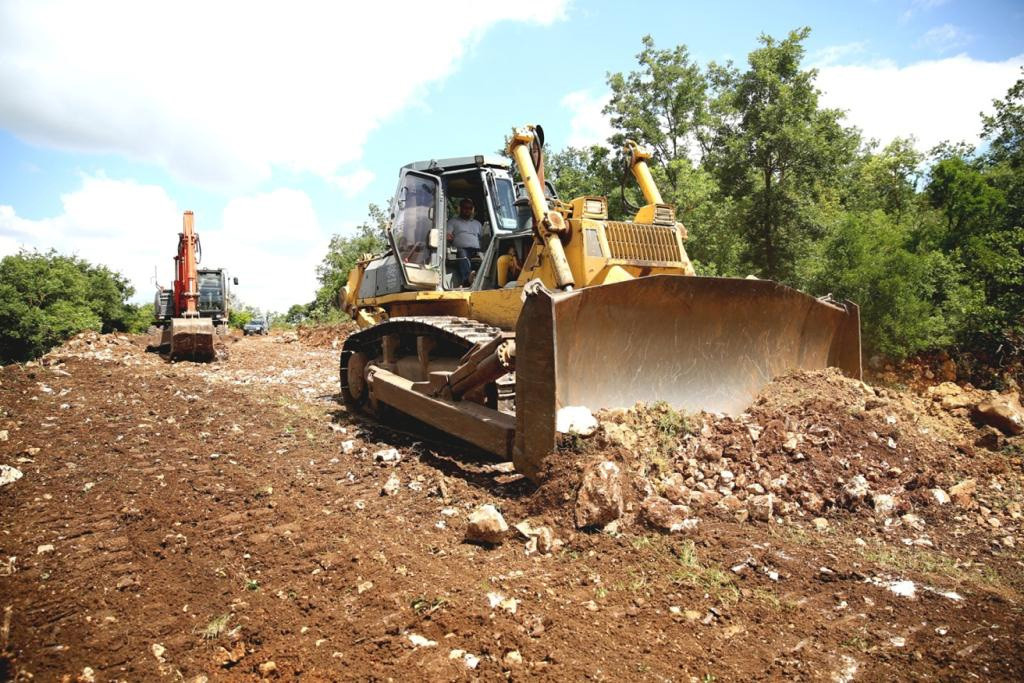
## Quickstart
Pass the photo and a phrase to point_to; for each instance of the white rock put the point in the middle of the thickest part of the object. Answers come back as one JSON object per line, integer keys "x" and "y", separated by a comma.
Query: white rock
{"x": 486, "y": 525}
{"x": 45, "y": 548}
{"x": 575, "y": 420}
{"x": 855, "y": 491}
{"x": 940, "y": 496}
{"x": 348, "y": 446}
{"x": 600, "y": 498}
{"x": 791, "y": 442}
{"x": 883, "y": 504}
{"x": 761, "y": 507}
{"x": 913, "y": 521}
{"x": 512, "y": 658}
{"x": 4, "y": 435}
{"x": 392, "y": 486}
{"x": 9, "y": 475}
{"x": 419, "y": 641}
{"x": 387, "y": 455}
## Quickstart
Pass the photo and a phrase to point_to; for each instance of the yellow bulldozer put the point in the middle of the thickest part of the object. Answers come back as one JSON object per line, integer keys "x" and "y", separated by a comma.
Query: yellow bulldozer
{"x": 561, "y": 310}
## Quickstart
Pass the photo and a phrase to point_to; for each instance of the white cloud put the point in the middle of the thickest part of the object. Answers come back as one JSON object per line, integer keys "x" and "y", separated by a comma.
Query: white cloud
{"x": 944, "y": 38}
{"x": 932, "y": 100}
{"x": 588, "y": 125}
{"x": 221, "y": 93}
{"x": 352, "y": 184}
{"x": 272, "y": 242}
{"x": 922, "y": 6}
{"x": 833, "y": 53}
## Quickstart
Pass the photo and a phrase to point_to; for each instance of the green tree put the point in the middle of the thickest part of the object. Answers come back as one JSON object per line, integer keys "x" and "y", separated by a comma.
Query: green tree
{"x": 970, "y": 204}
{"x": 776, "y": 154}
{"x": 578, "y": 171}
{"x": 1005, "y": 129}
{"x": 885, "y": 179}
{"x": 663, "y": 104}
{"x": 46, "y": 298}
{"x": 139, "y": 318}
{"x": 342, "y": 255}
{"x": 296, "y": 314}
{"x": 911, "y": 300}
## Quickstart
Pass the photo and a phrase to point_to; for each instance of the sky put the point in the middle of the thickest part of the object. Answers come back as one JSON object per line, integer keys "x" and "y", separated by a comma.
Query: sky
{"x": 279, "y": 123}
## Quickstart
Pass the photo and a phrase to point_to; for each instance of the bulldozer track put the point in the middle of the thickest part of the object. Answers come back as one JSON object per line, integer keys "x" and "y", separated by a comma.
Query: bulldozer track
{"x": 460, "y": 332}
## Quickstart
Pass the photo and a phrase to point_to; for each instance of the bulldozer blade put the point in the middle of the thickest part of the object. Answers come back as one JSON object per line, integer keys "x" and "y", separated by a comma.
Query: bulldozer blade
{"x": 191, "y": 339}
{"x": 697, "y": 343}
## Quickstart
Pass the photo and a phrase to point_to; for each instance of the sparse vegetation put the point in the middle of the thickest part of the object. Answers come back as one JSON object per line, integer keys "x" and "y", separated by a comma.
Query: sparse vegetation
{"x": 217, "y": 626}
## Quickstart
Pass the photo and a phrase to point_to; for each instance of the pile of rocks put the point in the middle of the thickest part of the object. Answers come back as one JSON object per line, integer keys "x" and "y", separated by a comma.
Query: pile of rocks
{"x": 118, "y": 348}
{"x": 813, "y": 444}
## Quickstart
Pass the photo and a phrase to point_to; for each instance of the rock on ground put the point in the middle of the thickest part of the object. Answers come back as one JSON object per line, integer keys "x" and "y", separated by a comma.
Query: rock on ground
{"x": 1002, "y": 412}
{"x": 486, "y": 525}
{"x": 600, "y": 499}
{"x": 660, "y": 513}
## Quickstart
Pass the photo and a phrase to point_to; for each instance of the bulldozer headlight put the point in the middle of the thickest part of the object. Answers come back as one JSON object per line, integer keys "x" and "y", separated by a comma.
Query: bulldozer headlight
{"x": 595, "y": 208}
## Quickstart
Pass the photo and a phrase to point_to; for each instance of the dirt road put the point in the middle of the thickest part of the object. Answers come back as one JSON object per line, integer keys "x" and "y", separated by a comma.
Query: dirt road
{"x": 227, "y": 522}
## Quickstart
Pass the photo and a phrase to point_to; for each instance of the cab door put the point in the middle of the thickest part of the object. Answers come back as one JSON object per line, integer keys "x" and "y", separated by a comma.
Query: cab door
{"x": 415, "y": 232}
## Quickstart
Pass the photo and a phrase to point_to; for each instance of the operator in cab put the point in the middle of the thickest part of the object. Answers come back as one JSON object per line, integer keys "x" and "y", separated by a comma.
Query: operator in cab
{"x": 464, "y": 234}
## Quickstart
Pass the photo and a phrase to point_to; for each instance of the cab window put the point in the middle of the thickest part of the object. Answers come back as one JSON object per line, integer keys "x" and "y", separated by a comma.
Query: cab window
{"x": 504, "y": 204}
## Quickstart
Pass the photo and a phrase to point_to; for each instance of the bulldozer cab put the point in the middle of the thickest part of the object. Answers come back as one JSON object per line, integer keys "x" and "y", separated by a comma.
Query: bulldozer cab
{"x": 428, "y": 196}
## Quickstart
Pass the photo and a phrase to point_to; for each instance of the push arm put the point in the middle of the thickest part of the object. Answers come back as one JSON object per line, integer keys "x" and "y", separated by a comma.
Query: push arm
{"x": 549, "y": 225}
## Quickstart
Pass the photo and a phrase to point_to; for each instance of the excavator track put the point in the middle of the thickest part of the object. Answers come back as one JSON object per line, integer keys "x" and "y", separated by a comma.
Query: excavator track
{"x": 451, "y": 336}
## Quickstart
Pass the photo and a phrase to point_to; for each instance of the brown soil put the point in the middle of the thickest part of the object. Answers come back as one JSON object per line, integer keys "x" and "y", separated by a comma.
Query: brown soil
{"x": 208, "y": 520}
{"x": 324, "y": 336}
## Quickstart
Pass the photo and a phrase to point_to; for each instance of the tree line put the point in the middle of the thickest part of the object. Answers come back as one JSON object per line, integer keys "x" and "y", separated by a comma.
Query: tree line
{"x": 46, "y": 298}
{"x": 772, "y": 184}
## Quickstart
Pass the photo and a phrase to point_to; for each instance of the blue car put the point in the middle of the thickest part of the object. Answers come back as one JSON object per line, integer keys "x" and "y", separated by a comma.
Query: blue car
{"x": 255, "y": 327}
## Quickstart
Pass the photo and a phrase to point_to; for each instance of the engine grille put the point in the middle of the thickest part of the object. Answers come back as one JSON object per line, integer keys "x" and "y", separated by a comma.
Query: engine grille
{"x": 640, "y": 242}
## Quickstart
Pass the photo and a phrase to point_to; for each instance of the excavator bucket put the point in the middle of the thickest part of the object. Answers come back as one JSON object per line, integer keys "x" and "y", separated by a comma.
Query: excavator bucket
{"x": 191, "y": 339}
{"x": 696, "y": 343}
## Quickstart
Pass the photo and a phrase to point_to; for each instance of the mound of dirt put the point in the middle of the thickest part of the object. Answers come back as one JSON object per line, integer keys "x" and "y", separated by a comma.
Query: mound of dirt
{"x": 325, "y": 336}
{"x": 233, "y": 521}
{"x": 814, "y": 444}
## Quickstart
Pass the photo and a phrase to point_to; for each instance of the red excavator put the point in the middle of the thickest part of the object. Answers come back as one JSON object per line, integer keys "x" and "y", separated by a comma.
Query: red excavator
{"x": 188, "y": 316}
